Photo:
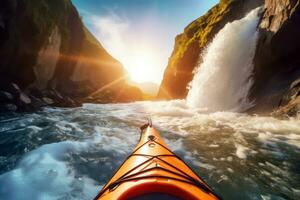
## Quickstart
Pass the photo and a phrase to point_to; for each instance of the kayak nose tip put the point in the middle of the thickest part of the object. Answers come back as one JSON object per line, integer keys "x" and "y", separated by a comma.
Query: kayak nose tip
{"x": 151, "y": 137}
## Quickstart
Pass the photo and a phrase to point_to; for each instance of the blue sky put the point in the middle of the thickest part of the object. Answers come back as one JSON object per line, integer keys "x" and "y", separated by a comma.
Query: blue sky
{"x": 140, "y": 33}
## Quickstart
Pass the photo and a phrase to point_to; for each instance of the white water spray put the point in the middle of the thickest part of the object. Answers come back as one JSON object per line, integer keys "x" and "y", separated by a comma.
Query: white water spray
{"x": 223, "y": 80}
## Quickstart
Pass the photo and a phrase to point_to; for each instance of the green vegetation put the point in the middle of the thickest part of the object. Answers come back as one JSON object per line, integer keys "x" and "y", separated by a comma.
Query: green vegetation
{"x": 200, "y": 31}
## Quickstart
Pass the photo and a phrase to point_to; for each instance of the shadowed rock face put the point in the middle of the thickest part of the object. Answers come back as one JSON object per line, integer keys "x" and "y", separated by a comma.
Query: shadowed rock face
{"x": 45, "y": 46}
{"x": 277, "y": 61}
{"x": 190, "y": 44}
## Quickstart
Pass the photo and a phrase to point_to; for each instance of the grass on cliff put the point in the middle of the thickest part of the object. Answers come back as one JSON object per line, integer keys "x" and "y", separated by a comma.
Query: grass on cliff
{"x": 199, "y": 31}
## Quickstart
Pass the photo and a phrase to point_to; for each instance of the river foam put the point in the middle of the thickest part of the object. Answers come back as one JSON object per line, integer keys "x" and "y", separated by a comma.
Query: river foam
{"x": 71, "y": 153}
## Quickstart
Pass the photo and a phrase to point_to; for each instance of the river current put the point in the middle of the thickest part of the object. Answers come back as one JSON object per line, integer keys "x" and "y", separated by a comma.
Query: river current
{"x": 70, "y": 153}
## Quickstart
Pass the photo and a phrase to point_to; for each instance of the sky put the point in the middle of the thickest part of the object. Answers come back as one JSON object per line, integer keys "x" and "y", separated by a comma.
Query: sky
{"x": 140, "y": 33}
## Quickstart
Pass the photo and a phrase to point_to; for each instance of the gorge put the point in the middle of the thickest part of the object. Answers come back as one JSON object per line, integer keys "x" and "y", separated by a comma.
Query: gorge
{"x": 228, "y": 104}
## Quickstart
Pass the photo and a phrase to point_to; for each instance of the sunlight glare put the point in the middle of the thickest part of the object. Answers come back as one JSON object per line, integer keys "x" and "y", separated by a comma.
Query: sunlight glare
{"x": 141, "y": 66}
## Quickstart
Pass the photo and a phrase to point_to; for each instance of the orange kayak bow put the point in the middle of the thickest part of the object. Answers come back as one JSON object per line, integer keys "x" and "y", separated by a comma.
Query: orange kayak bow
{"x": 153, "y": 171}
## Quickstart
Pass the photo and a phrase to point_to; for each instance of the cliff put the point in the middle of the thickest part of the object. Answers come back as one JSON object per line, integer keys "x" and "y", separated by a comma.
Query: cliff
{"x": 276, "y": 62}
{"x": 191, "y": 43}
{"x": 48, "y": 56}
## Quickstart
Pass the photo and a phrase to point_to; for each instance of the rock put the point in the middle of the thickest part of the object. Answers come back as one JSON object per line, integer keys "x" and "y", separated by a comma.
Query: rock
{"x": 37, "y": 103}
{"x": 8, "y": 108}
{"x": 291, "y": 94}
{"x": 24, "y": 99}
{"x": 58, "y": 95}
{"x": 291, "y": 109}
{"x": 277, "y": 61}
{"x": 290, "y": 102}
{"x": 48, "y": 101}
{"x": 13, "y": 89}
{"x": 6, "y": 97}
{"x": 36, "y": 92}
{"x": 9, "y": 87}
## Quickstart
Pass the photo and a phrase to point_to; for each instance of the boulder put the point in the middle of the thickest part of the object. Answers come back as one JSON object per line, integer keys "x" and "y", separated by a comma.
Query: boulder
{"x": 6, "y": 97}
{"x": 8, "y": 108}
{"x": 24, "y": 99}
{"x": 292, "y": 109}
{"x": 48, "y": 101}
{"x": 291, "y": 94}
{"x": 35, "y": 92}
{"x": 290, "y": 103}
{"x": 37, "y": 103}
{"x": 14, "y": 89}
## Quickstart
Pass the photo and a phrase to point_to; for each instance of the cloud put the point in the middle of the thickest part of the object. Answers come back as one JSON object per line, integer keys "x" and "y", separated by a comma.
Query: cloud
{"x": 110, "y": 30}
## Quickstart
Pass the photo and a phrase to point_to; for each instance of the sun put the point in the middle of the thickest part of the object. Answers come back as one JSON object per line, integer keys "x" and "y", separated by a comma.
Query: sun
{"x": 141, "y": 67}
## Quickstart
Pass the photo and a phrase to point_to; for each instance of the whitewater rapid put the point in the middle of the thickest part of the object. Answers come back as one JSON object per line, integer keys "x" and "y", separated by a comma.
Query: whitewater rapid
{"x": 70, "y": 153}
{"x": 222, "y": 81}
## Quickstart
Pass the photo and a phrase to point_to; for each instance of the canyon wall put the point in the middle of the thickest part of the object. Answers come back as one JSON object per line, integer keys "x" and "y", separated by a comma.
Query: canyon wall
{"x": 47, "y": 53}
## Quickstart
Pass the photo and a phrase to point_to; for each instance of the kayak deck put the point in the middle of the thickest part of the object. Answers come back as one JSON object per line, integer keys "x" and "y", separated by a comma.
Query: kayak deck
{"x": 153, "y": 171}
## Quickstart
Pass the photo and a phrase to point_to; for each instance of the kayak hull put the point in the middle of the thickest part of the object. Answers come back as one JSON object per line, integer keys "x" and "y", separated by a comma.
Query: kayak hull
{"x": 153, "y": 168}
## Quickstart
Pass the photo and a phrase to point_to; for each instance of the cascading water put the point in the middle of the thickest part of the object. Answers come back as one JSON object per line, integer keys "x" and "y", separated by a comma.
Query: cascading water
{"x": 223, "y": 80}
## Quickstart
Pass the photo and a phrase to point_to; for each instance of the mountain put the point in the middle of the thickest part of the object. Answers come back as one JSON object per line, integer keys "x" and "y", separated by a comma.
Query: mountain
{"x": 276, "y": 61}
{"x": 48, "y": 56}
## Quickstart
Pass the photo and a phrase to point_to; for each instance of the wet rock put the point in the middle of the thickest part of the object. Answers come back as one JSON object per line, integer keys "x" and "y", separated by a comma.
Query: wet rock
{"x": 6, "y": 97}
{"x": 292, "y": 109}
{"x": 37, "y": 103}
{"x": 48, "y": 101}
{"x": 290, "y": 103}
{"x": 291, "y": 94}
{"x": 14, "y": 89}
{"x": 36, "y": 92}
{"x": 68, "y": 102}
{"x": 24, "y": 98}
{"x": 9, "y": 87}
{"x": 8, "y": 108}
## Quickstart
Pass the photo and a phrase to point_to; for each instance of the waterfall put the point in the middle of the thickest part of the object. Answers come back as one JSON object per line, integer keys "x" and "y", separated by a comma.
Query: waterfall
{"x": 223, "y": 80}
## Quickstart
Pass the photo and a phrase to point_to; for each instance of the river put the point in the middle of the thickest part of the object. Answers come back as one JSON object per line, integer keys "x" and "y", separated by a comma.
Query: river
{"x": 70, "y": 153}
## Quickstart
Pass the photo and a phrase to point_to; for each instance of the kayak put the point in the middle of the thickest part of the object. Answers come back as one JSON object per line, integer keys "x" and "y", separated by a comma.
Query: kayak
{"x": 153, "y": 171}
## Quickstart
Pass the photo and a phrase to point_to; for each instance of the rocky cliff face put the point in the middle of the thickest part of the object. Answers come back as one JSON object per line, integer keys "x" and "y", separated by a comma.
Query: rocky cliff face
{"x": 190, "y": 44}
{"x": 47, "y": 53}
{"x": 277, "y": 61}
{"x": 290, "y": 102}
